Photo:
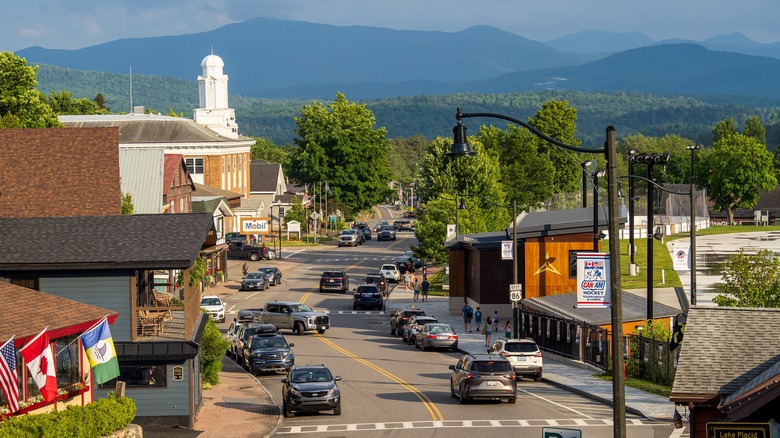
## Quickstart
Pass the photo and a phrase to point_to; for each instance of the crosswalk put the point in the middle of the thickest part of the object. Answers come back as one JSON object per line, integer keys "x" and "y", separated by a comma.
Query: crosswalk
{"x": 456, "y": 424}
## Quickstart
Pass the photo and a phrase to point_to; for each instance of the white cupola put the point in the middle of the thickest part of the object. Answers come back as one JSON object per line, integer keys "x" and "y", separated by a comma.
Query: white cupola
{"x": 214, "y": 112}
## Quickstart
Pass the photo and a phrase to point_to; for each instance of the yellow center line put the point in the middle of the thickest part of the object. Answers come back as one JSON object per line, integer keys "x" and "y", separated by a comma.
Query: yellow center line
{"x": 429, "y": 405}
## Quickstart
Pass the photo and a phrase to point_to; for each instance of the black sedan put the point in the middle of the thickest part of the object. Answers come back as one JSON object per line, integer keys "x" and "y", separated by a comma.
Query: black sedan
{"x": 255, "y": 281}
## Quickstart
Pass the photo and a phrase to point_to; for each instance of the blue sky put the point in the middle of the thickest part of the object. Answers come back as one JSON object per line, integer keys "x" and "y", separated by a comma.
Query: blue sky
{"x": 72, "y": 24}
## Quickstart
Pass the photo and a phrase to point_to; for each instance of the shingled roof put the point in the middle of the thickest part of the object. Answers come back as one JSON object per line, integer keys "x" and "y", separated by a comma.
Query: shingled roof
{"x": 33, "y": 310}
{"x": 564, "y": 306}
{"x": 263, "y": 176}
{"x": 149, "y": 128}
{"x": 154, "y": 241}
{"x": 727, "y": 355}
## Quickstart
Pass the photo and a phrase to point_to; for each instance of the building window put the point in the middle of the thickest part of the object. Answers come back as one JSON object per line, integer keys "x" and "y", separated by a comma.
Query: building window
{"x": 68, "y": 354}
{"x": 139, "y": 376}
{"x": 194, "y": 165}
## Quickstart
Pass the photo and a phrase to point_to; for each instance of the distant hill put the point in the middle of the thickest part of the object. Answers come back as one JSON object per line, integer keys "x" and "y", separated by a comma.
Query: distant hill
{"x": 600, "y": 41}
{"x": 270, "y": 54}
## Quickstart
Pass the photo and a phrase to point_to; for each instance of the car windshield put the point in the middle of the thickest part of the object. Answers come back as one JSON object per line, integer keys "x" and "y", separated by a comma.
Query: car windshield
{"x": 388, "y": 267}
{"x": 367, "y": 289}
{"x": 254, "y": 275}
{"x": 210, "y": 302}
{"x": 348, "y": 232}
{"x": 331, "y": 274}
{"x": 268, "y": 342}
{"x": 300, "y": 308}
{"x": 304, "y": 376}
{"x": 386, "y": 228}
{"x": 489, "y": 366}
{"x": 409, "y": 313}
{"x": 521, "y": 347}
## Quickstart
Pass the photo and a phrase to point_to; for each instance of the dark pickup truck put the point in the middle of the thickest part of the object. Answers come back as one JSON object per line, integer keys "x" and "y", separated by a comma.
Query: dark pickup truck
{"x": 242, "y": 250}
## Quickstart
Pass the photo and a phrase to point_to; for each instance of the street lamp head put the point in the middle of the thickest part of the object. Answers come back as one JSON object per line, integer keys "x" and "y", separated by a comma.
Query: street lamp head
{"x": 460, "y": 147}
{"x": 586, "y": 164}
{"x": 462, "y": 205}
{"x": 693, "y": 148}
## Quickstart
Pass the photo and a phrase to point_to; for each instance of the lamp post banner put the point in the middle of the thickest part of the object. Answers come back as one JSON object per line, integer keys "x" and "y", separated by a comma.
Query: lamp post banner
{"x": 450, "y": 232}
{"x": 680, "y": 257}
{"x": 593, "y": 280}
{"x": 506, "y": 250}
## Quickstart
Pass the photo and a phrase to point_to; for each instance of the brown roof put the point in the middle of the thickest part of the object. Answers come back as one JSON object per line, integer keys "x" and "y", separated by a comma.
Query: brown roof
{"x": 202, "y": 190}
{"x": 173, "y": 166}
{"x": 33, "y": 310}
{"x": 59, "y": 172}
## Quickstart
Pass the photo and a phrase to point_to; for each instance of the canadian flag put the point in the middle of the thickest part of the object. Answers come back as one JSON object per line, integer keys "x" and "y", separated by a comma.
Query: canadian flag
{"x": 40, "y": 362}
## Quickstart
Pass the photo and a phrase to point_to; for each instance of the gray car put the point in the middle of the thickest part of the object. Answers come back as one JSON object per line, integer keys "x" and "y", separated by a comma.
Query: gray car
{"x": 436, "y": 335}
{"x": 483, "y": 377}
{"x": 413, "y": 327}
{"x": 273, "y": 274}
{"x": 310, "y": 388}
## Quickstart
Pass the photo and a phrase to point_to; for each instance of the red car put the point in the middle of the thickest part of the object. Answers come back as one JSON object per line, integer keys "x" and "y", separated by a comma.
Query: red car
{"x": 410, "y": 215}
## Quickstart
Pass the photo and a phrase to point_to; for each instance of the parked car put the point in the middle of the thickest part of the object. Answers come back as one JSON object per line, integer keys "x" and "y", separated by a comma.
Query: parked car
{"x": 268, "y": 350}
{"x": 413, "y": 326}
{"x": 310, "y": 388}
{"x": 233, "y": 237}
{"x": 523, "y": 354}
{"x": 409, "y": 255}
{"x": 404, "y": 264}
{"x": 249, "y": 315}
{"x": 400, "y": 318}
{"x": 483, "y": 376}
{"x": 410, "y": 215}
{"x": 255, "y": 281}
{"x": 232, "y": 331}
{"x": 241, "y": 250}
{"x": 381, "y": 224}
{"x": 334, "y": 280}
{"x": 390, "y": 272}
{"x": 214, "y": 306}
{"x": 349, "y": 238}
{"x": 245, "y": 331}
{"x": 379, "y": 280}
{"x": 436, "y": 335}
{"x": 386, "y": 233}
{"x": 273, "y": 274}
{"x": 367, "y": 295}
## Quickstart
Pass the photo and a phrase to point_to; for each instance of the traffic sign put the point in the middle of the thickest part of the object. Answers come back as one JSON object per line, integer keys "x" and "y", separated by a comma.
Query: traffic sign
{"x": 515, "y": 292}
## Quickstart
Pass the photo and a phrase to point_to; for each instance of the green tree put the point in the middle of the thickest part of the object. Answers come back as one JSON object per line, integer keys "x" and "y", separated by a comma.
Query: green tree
{"x": 265, "y": 149}
{"x": 296, "y": 212}
{"x": 737, "y": 170}
{"x": 100, "y": 101}
{"x": 127, "y": 204}
{"x": 339, "y": 144}
{"x": 750, "y": 280}
{"x": 558, "y": 120}
{"x": 441, "y": 178}
{"x": 754, "y": 128}
{"x": 776, "y": 164}
{"x": 21, "y": 104}
{"x": 63, "y": 103}
{"x": 723, "y": 129}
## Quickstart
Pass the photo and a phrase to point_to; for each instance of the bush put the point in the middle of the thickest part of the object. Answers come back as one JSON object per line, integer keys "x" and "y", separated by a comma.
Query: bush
{"x": 212, "y": 349}
{"x": 103, "y": 417}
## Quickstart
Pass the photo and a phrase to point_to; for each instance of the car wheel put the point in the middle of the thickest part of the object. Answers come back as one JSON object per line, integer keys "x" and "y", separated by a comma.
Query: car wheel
{"x": 512, "y": 400}
{"x": 286, "y": 411}
{"x": 337, "y": 411}
{"x": 354, "y": 306}
{"x": 421, "y": 346}
{"x": 454, "y": 347}
{"x": 298, "y": 328}
{"x": 452, "y": 391}
{"x": 320, "y": 290}
{"x": 321, "y": 331}
{"x": 392, "y": 331}
{"x": 538, "y": 378}
{"x": 463, "y": 399}
{"x": 254, "y": 257}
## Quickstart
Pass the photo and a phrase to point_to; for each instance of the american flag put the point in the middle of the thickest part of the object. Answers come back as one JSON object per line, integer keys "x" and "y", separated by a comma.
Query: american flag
{"x": 8, "y": 377}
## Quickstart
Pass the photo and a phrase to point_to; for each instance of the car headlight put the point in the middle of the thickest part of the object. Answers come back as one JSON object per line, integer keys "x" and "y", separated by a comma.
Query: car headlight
{"x": 294, "y": 391}
{"x": 333, "y": 391}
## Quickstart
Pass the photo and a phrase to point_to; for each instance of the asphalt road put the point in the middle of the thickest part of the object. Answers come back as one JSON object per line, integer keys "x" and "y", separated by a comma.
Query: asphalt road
{"x": 390, "y": 388}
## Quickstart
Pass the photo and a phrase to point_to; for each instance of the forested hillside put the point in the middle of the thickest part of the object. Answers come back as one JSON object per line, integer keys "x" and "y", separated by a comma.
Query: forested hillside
{"x": 430, "y": 116}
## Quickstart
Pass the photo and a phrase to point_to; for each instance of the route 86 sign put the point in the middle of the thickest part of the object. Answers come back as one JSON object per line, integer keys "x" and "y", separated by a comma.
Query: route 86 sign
{"x": 515, "y": 292}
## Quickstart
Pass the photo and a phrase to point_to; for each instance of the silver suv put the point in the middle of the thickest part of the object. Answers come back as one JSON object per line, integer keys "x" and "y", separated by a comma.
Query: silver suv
{"x": 483, "y": 376}
{"x": 523, "y": 354}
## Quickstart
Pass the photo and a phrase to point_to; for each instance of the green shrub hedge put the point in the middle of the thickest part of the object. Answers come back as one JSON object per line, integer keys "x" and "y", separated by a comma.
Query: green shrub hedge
{"x": 103, "y": 417}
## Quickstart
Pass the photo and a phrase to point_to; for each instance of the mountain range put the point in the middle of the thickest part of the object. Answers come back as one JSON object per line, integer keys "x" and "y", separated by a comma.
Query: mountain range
{"x": 272, "y": 58}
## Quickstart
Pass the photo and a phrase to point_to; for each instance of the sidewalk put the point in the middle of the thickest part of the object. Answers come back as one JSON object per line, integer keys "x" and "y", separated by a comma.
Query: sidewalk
{"x": 573, "y": 376}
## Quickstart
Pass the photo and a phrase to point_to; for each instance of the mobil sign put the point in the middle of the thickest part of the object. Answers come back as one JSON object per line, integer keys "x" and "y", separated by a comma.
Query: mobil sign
{"x": 593, "y": 280}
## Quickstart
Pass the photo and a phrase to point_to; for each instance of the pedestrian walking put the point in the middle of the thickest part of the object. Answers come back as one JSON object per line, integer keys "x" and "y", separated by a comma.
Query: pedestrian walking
{"x": 245, "y": 269}
{"x": 478, "y": 319}
{"x": 468, "y": 315}
{"x": 407, "y": 281}
{"x": 487, "y": 330}
{"x": 508, "y": 330}
{"x": 416, "y": 293}
{"x": 425, "y": 286}
{"x": 494, "y": 318}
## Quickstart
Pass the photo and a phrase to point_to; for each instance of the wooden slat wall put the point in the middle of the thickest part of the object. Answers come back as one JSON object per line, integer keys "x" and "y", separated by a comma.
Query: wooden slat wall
{"x": 547, "y": 264}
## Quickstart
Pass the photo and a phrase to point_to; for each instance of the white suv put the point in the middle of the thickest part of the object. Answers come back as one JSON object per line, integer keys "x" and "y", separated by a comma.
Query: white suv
{"x": 214, "y": 306}
{"x": 391, "y": 272}
{"x": 523, "y": 354}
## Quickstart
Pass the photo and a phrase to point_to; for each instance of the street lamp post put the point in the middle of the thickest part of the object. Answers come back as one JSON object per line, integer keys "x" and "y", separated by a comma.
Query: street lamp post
{"x": 692, "y": 252}
{"x": 631, "y": 247}
{"x": 584, "y": 166}
{"x": 460, "y": 148}
{"x": 596, "y": 176}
